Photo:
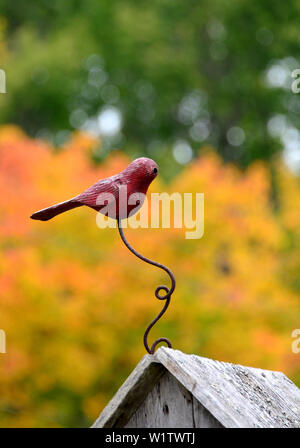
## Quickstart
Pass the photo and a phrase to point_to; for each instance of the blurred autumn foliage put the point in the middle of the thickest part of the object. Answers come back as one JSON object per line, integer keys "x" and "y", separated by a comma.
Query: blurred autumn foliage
{"x": 75, "y": 302}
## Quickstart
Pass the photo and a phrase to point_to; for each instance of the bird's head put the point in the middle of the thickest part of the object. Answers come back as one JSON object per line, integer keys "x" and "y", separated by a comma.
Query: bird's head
{"x": 143, "y": 170}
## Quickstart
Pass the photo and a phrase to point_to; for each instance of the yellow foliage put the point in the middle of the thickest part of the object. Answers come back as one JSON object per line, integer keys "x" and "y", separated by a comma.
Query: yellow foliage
{"x": 75, "y": 302}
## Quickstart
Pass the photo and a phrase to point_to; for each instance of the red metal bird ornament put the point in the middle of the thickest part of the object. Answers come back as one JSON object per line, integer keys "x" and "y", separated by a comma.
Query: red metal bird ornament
{"x": 118, "y": 196}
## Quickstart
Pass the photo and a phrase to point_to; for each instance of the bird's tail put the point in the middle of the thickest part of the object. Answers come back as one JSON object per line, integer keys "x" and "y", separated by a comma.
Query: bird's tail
{"x": 48, "y": 213}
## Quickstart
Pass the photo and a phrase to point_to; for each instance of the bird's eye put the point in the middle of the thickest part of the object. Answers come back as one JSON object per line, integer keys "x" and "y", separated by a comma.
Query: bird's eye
{"x": 155, "y": 170}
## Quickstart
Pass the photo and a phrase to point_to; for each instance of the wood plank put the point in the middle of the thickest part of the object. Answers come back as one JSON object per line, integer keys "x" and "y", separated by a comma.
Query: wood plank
{"x": 170, "y": 405}
{"x": 131, "y": 394}
{"x": 235, "y": 395}
{"x": 203, "y": 418}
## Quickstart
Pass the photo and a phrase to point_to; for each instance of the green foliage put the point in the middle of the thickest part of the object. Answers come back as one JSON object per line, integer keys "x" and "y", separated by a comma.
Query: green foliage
{"x": 165, "y": 64}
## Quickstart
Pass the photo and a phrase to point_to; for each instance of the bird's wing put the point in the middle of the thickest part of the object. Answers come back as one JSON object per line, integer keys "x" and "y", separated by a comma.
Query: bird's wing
{"x": 103, "y": 190}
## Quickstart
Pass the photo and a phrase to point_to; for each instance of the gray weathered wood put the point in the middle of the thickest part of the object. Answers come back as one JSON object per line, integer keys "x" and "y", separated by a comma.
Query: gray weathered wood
{"x": 171, "y": 405}
{"x": 236, "y": 396}
{"x": 131, "y": 394}
{"x": 203, "y": 418}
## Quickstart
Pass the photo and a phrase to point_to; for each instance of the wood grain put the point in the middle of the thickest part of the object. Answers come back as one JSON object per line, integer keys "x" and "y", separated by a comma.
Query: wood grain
{"x": 170, "y": 405}
{"x": 229, "y": 394}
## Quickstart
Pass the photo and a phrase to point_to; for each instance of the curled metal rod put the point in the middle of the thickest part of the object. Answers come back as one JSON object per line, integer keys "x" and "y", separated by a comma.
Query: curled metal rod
{"x": 166, "y": 296}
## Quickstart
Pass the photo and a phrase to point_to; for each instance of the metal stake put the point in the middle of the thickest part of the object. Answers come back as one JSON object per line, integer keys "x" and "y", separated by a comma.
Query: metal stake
{"x": 166, "y": 296}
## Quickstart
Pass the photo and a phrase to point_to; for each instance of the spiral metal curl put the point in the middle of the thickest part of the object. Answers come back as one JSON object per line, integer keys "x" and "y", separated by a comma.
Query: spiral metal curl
{"x": 158, "y": 295}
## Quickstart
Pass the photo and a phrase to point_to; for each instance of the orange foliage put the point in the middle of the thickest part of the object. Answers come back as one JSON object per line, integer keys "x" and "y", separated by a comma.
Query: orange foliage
{"x": 75, "y": 302}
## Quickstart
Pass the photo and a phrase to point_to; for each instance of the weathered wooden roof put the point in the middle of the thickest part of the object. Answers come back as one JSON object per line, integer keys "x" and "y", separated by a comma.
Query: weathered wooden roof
{"x": 235, "y": 395}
